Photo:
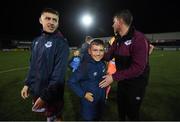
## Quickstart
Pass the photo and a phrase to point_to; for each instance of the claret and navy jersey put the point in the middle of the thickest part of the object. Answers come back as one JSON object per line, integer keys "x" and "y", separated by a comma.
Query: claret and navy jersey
{"x": 129, "y": 52}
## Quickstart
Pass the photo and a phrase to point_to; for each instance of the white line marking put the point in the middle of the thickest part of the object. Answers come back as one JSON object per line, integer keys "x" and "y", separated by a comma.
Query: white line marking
{"x": 160, "y": 55}
{"x": 15, "y": 69}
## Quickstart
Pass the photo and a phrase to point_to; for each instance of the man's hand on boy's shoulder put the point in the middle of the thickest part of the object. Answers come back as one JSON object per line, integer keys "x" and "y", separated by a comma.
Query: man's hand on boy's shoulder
{"x": 108, "y": 79}
{"x": 89, "y": 96}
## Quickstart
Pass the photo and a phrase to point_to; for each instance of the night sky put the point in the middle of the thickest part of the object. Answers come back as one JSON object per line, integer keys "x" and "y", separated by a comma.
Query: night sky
{"x": 19, "y": 19}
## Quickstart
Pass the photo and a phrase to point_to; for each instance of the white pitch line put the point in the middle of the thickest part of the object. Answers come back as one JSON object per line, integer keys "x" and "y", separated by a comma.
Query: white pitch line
{"x": 15, "y": 69}
{"x": 157, "y": 55}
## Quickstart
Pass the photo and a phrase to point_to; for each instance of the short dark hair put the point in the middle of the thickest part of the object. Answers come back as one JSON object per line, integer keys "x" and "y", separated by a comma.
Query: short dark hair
{"x": 126, "y": 15}
{"x": 50, "y": 10}
{"x": 96, "y": 42}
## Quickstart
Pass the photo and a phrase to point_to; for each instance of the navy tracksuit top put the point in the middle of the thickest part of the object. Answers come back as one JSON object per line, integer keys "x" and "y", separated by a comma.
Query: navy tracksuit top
{"x": 48, "y": 65}
{"x": 87, "y": 77}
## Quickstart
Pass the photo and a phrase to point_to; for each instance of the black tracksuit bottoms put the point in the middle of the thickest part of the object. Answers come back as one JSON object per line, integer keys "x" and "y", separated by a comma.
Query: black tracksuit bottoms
{"x": 129, "y": 99}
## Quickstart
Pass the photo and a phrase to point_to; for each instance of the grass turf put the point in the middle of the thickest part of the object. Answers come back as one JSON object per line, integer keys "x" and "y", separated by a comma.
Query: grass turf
{"x": 161, "y": 101}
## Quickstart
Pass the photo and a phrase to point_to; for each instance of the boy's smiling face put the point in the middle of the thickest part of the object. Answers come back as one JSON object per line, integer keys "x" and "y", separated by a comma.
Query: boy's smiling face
{"x": 96, "y": 52}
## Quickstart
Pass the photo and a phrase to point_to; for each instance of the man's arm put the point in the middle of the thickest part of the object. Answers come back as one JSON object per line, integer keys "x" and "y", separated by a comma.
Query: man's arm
{"x": 139, "y": 54}
{"x": 25, "y": 89}
{"x": 139, "y": 61}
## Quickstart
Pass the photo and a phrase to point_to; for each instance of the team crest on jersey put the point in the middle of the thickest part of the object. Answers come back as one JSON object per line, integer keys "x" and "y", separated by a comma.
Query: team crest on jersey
{"x": 128, "y": 42}
{"x": 48, "y": 44}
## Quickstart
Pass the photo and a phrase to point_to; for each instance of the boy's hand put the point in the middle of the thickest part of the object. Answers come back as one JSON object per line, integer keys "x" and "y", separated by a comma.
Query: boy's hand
{"x": 24, "y": 92}
{"x": 89, "y": 96}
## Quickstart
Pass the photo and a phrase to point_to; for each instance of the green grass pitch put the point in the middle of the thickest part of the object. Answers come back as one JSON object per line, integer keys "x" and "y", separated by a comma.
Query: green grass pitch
{"x": 161, "y": 101}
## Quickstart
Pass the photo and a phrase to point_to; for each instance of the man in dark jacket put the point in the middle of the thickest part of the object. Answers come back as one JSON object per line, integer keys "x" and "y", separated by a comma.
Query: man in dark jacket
{"x": 49, "y": 57}
{"x": 131, "y": 52}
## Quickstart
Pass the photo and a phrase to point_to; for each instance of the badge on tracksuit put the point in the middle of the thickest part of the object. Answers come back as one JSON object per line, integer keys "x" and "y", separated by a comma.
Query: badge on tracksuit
{"x": 48, "y": 44}
{"x": 128, "y": 42}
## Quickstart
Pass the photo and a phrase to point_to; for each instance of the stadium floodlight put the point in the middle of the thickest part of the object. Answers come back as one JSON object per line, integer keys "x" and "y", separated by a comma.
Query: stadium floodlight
{"x": 87, "y": 20}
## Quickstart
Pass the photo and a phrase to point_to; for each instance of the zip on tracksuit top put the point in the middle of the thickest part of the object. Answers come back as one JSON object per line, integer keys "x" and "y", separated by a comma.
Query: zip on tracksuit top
{"x": 48, "y": 65}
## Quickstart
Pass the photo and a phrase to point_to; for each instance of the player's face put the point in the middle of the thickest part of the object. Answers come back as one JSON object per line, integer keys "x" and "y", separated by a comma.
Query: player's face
{"x": 49, "y": 22}
{"x": 116, "y": 25}
{"x": 96, "y": 52}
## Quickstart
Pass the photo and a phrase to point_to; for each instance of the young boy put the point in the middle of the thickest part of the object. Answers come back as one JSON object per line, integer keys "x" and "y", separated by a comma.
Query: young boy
{"x": 75, "y": 60}
{"x": 84, "y": 82}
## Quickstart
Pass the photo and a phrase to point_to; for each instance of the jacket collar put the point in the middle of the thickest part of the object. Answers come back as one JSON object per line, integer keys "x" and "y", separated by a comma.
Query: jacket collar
{"x": 92, "y": 60}
{"x": 47, "y": 33}
{"x": 126, "y": 37}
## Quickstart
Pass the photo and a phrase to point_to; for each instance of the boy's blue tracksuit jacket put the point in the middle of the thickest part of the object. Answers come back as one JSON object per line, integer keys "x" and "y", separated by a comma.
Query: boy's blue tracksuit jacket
{"x": 48, "y": 65}
{"x": 86, "y": 79}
